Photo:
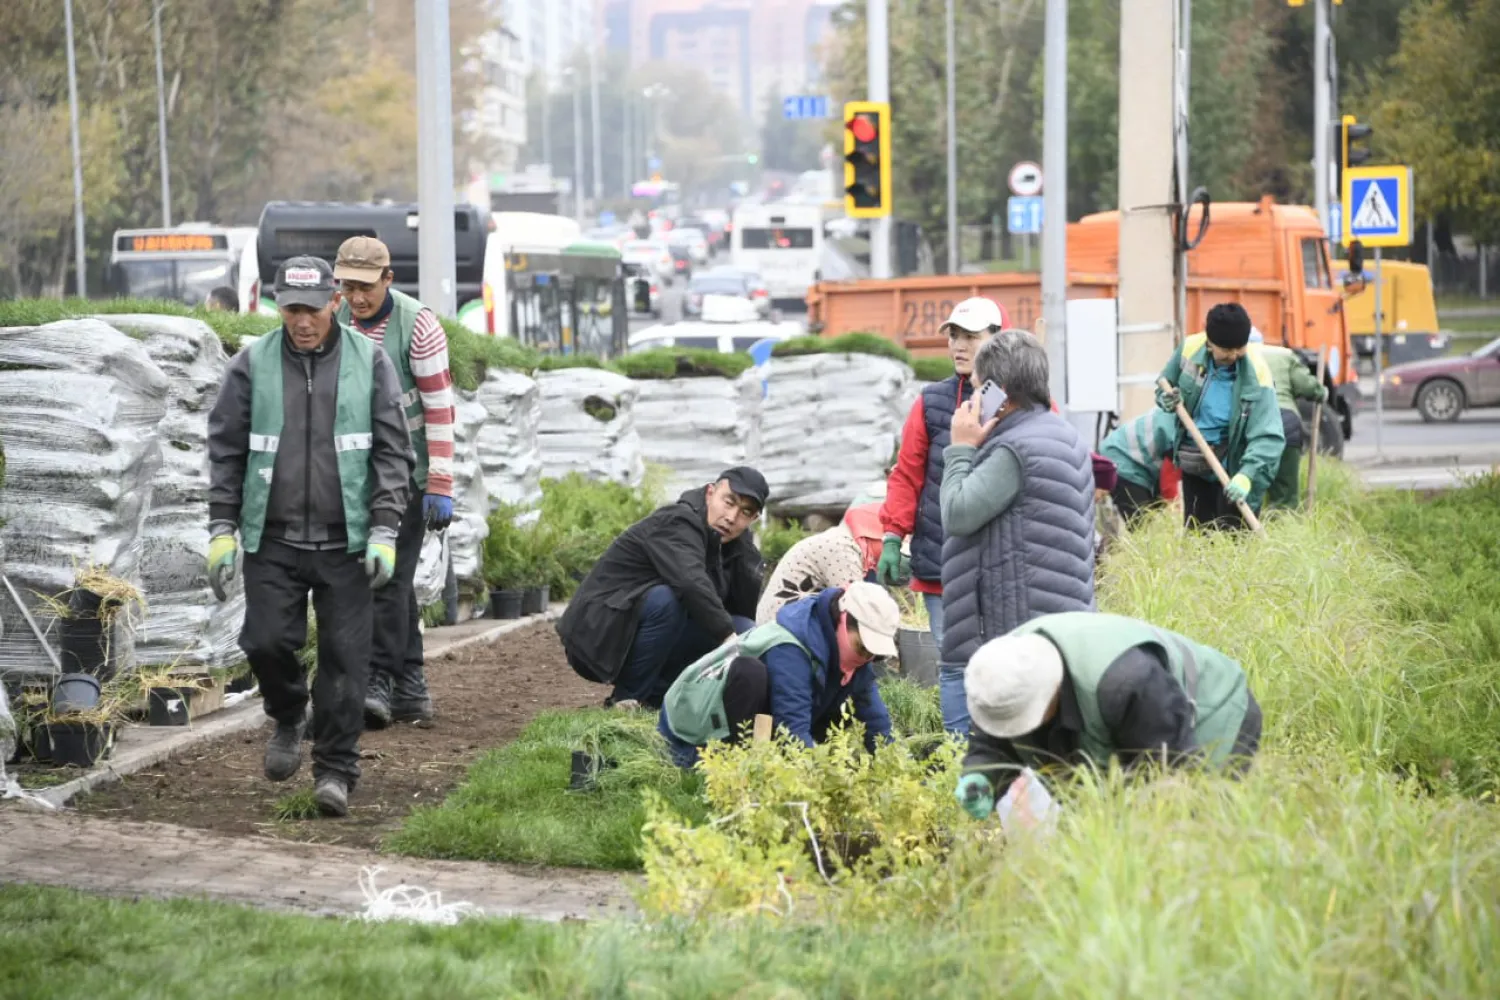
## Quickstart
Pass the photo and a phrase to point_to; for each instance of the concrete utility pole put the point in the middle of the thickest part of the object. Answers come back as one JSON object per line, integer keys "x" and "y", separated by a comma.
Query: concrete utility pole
{"x": 594, "y": 111}
{"x": 80, "y": 263}
{"x": 1322, "y": 110}
{"x": 1055, "y": 192}
{"x": 161, "y": 120}
{"x": 952, "y": 150}
{"x": 577, "y": 146}
{"x": 877, "y": 56}
{"x": 1146, "y": 301}
{"x": 436, "y": 279}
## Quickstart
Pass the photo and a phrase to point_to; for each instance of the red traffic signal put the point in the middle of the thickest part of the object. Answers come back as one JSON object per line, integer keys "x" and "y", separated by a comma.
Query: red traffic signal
{"x": 863, "y": 128}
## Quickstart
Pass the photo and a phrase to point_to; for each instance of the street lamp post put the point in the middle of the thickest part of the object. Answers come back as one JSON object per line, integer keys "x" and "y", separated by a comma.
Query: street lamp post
{"x": 598, "y": 147}
{"x": 572, "y": 78}
{"x": 79, "y": 262}
{"x": 161, "y": 120}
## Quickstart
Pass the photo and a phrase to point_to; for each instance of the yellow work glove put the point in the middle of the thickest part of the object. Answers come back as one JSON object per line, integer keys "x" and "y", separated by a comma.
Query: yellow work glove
{"x": 380, "y": 557}
{"x": 222, "y": 552}
{"x": 1238, "y": 488}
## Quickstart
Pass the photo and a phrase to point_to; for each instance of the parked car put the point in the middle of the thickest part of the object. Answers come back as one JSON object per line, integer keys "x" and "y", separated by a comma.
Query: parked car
{"x": 652, "y": 254}
{"x": 733, "y": 284}
{"x": 642, "y": 289}
{"x": 1442, "y": 388}
{"x": 759, "y": 293}
{"x": 691, "y": 238}
{"x": 682, "y": 260}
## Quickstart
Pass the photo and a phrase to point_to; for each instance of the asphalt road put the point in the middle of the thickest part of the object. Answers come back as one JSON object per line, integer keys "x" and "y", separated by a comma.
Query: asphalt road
{"x": 1405, "y": 433}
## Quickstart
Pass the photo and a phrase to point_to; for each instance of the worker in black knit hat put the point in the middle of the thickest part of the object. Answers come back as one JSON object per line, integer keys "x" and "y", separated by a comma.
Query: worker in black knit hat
{"x": 1227, "y": 388}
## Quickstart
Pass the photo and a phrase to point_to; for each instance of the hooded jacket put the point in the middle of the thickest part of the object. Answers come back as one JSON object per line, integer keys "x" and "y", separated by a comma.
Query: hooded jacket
{"x": 672, "y": 545}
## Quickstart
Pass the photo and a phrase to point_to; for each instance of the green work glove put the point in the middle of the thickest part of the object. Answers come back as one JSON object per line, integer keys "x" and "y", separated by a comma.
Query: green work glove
{"x": 1238, "y": 488}
{"x": 976, "y": 795}
{"x": 1322, "y": 394}
{"x": 1167, "y": 399}
{"x": 222, "y": 550}
{"x": 888, "y": 569}
{"x": 380, "y": 557}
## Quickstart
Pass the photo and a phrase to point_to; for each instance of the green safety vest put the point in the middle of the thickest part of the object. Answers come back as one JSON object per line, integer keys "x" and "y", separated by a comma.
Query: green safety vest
{"x": 397, "y": 344}
{"x": 351, "y": 434}
{"x": 1090, "y": 642}
{"x": 1138, "y": 447}
{"x": 695, "y": 701}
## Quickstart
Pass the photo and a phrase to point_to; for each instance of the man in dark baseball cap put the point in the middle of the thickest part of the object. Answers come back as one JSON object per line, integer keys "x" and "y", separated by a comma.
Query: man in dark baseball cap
{"x": 305, "y": 281}
{"x": 675, "y": 585}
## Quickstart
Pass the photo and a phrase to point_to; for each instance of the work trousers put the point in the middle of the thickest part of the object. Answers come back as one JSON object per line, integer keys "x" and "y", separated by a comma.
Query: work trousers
{"x": 396, "y": 650}
{"x": 1205, "y": 505}
{"x": 667, "y": 639}
{"x": 1286, "y": 488}
{"x": 1131, "y": 500}
{"x": 278, "y": 579}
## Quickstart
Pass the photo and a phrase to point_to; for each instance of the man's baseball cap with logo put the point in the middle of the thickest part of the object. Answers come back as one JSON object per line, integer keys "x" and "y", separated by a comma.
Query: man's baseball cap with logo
{"x": 976, "y": 315}
{"x": 363, "y": 259}
{"x": 305, "y": 281}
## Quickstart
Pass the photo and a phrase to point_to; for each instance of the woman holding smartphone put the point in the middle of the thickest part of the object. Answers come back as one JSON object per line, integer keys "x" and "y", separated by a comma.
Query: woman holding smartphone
{"x": 1017, "y": 504}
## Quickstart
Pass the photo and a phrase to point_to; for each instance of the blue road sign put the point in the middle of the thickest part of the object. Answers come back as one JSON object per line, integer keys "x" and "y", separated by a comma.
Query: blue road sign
{"x": 1335, "y": 225}
{"x": 1379, "y": 204}
{"x": 1023, "y": 216}
{"x": 804, "y": 106}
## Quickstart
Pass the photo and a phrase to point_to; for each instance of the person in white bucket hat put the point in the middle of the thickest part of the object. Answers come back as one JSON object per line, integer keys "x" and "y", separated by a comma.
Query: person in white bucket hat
{"x": 1084, "y": 688}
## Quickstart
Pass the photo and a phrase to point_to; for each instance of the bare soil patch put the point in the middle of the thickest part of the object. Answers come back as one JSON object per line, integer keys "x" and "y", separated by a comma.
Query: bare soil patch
{"x": 484, "y": 696}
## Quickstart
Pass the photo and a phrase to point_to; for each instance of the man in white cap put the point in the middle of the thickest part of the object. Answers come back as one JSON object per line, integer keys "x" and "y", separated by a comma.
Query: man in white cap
{"x": 1082, "y": 688}
{"x": 799, "y": 669}
{"x": 912, "y": 507}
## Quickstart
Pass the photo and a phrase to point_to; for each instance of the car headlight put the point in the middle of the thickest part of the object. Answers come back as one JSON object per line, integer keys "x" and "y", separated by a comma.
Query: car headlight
{"x": 1392, "y": 379}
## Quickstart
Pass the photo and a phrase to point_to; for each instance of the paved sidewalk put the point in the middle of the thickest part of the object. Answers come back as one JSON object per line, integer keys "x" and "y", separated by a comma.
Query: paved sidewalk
{"x": 159, "y": 860}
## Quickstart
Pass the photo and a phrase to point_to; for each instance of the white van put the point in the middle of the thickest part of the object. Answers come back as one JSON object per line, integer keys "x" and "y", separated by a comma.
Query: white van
{"x": 781, "y": 242}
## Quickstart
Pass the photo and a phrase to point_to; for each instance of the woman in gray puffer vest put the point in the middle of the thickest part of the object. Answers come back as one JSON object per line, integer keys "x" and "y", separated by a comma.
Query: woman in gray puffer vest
{"x": 1018, "y": 514}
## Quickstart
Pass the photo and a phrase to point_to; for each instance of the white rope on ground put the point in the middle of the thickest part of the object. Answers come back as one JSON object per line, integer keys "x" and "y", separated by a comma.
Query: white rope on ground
{"x": 409, "y": 902}
{"x": 13, "y": 790}
{"x": 817, "y": 851}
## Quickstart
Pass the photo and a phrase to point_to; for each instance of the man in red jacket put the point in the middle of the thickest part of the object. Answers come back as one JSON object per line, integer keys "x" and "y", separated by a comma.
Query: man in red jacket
{"x": 911, "y": 494}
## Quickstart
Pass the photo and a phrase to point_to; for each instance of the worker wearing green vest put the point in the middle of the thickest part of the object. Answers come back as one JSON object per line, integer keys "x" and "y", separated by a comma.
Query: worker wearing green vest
{"x": 1083, "y": 688}
{"x": 309, "y": 461}
{"x": 1294, "y": 381}
{"x": 418, "y": 348}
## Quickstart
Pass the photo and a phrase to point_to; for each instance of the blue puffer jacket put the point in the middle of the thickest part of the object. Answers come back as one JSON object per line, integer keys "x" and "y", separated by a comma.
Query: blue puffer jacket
{"x": 806, "y": 696}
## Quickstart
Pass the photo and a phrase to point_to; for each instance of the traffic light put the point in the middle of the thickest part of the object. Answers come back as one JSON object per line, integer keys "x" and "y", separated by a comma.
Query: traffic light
{"x": 867, "y": 159}
{"x": 1351, "y": 154}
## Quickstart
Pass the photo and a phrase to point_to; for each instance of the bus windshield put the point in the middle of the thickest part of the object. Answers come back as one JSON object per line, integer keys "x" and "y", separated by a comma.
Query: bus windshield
{"x": 776, "y": 239}
{"x": 186, "y": 281}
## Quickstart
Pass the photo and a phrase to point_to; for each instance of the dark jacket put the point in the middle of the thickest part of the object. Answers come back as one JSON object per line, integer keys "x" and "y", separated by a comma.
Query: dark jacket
{"x": 672, "y": 545}
{"x": 306, "y": 506}
{"x": 1143, "y": 707}
{"x": 807, "y": 696}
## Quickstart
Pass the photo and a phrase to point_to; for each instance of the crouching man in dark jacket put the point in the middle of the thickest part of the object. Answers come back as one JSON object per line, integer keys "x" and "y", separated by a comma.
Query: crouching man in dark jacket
{"x": 675, "y": 585}
{"x": 310, "y": 460}
{"x": 800, "y": 670}
{"x": 1082, "y": 688}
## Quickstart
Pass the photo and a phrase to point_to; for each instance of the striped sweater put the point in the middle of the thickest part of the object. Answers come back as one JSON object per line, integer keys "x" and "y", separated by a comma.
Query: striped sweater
{"x": 429, "y": 366}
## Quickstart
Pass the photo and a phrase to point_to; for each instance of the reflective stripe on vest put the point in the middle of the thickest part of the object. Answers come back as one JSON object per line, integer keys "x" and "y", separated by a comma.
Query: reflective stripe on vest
{"x": 351, "y": 429}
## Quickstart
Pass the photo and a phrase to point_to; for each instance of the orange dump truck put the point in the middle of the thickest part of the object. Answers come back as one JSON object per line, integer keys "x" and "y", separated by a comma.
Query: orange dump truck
{"x": 1270, "y": 258}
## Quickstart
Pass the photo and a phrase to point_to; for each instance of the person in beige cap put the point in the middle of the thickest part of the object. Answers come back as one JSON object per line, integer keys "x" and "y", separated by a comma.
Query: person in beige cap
{"x": 799, "y": 669}
{"x": 1084, "y": 688}
{"x": 415, "y": 342}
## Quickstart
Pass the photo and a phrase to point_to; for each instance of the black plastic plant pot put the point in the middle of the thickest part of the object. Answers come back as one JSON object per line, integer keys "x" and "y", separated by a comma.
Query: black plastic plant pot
{"x": 918, "y": 652}
{"x": 75, "y": 693}
{"x": 168, "y": 706}
{"x": 534, "y": 601}
{"x": 80, "y": 744}
{"x": 85, "y": 645}
{"x": 506, "y": 604}
{"x": 586, "y": 768}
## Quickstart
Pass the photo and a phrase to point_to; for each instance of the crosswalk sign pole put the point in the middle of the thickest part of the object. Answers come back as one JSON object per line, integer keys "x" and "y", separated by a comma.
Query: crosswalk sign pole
{"x": 1379, "y": 360}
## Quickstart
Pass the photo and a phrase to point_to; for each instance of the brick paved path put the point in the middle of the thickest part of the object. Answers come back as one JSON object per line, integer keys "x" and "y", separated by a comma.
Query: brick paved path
{"x": 156, "y": 859}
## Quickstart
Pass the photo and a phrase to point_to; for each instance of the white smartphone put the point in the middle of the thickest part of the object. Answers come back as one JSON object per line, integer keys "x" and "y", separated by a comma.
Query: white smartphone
{"x": 991, "y": 398}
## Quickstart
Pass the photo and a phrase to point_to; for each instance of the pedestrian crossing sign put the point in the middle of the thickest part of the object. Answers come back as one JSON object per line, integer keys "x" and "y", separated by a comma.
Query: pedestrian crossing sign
{"x": 1377, "y": 206}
